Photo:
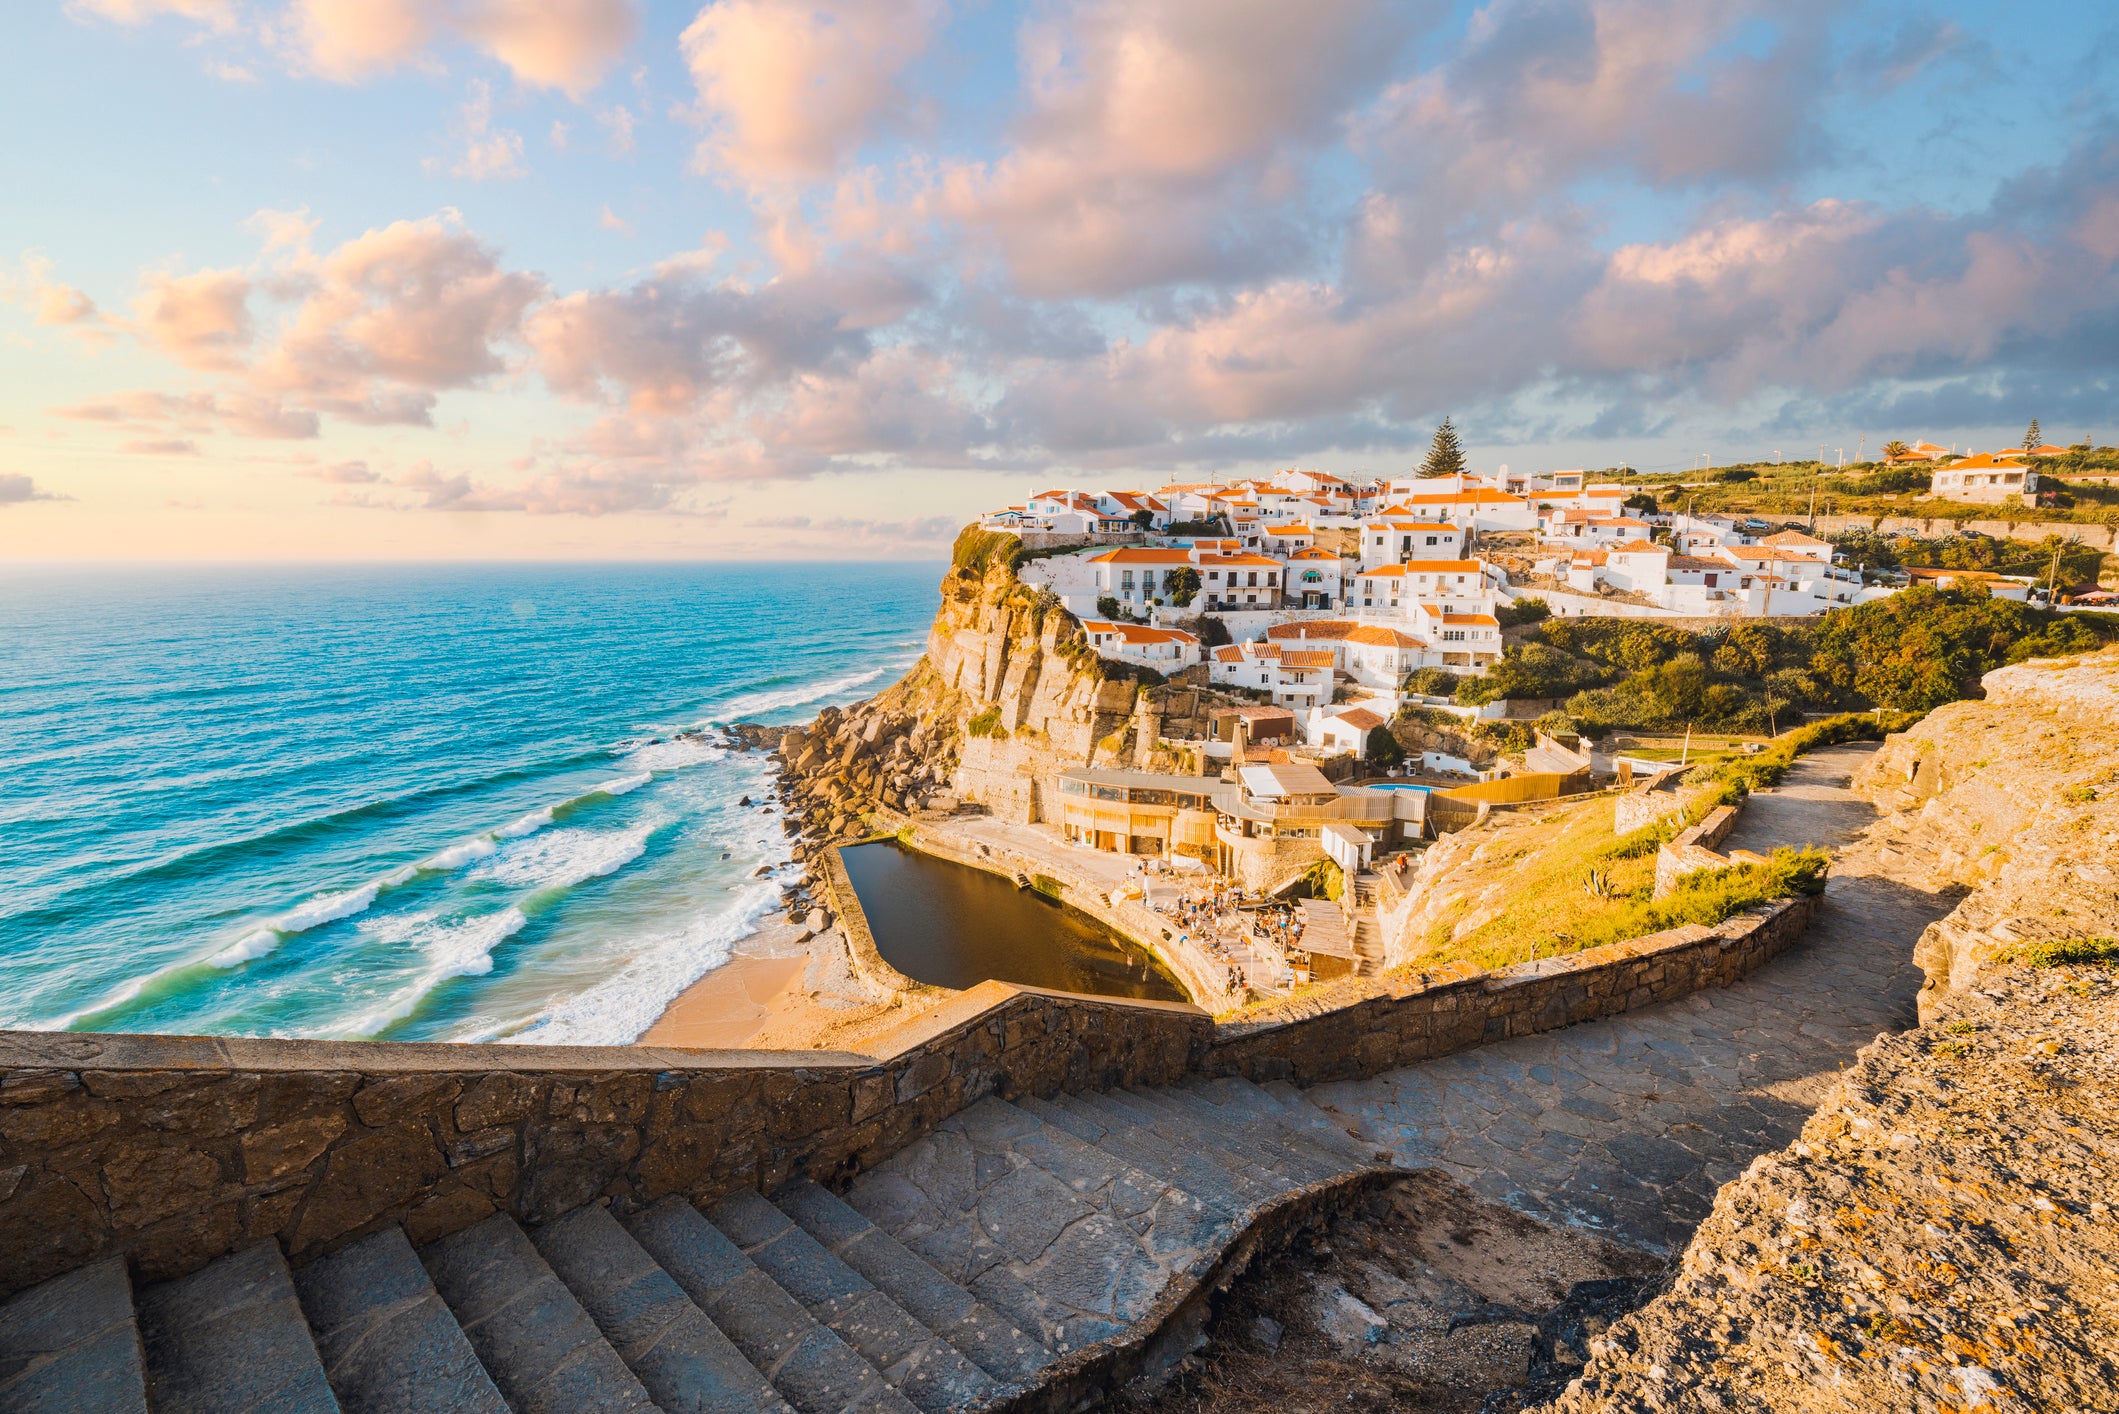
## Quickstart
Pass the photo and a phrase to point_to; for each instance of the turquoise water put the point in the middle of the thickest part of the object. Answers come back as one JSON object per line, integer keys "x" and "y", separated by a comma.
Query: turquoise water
{"x": 410, "y": 803}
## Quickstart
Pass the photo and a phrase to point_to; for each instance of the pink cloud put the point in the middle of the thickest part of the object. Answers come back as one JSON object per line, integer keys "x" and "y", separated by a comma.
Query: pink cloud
{"x": 791, "y": 88}
{"x": 201, "y": 320}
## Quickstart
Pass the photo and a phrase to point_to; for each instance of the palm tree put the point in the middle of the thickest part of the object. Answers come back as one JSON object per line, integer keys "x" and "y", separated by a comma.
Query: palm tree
{"x": 1895, "y": 448}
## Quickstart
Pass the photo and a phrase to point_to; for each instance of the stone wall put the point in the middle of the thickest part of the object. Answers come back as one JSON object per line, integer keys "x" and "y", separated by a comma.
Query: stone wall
{"x": 1694, "y": 849}
{"x": 175, "y": 1150}
{"x": 1378, "y": 1024}
{"x": 2102, "y": 537}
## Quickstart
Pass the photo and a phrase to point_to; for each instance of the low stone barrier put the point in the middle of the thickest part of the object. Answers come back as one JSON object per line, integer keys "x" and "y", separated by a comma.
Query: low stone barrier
{"x": 175, "y": 1150}
{"x": 1378, "y": 1024}
{"x": 1694, "y": 849}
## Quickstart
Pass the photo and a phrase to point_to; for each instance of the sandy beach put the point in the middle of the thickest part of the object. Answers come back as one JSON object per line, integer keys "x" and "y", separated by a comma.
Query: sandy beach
{"x": 780, "y": 992}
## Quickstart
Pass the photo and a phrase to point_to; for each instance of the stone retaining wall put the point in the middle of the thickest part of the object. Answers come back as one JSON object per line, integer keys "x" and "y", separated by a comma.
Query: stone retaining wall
{"x": 1378, "y": 1024}
{"x": 176, "y": 1150}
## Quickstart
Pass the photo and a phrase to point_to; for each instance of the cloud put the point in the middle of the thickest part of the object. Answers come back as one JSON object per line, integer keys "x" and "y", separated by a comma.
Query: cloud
{"x": 563, "y": 44}
{"x": 611, "y": 221}
{"x": 201, "y": 320}
{"x": 54, "y": 304}
{"x": 1163, "y": 139}
{"x": 213, "y": 14}
{"x": 792, "y": 88}
{"x": 353, "y": 473}
{"x": 160, "y": 447}
{"x": 619, "y": 123}
{"x": 16, "y": 489}
{"x": 489, "y": 154}
{"x": 393, "y": 317}
{"x": 567, "y": 45}
{"x": 592, "y": 491}
{"x": 243, "y": 414}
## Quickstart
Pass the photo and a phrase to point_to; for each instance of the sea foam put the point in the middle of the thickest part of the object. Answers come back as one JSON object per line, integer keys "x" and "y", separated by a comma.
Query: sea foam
{"x": 458, "y": 948}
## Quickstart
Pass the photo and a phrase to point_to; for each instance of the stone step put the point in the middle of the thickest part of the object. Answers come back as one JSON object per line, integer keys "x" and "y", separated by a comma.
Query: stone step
{"x": 389, "y": 1343}
{"x": 1182, "y": 1135}
{"x": 1303, "y": 1111}
{"x": 540, "y": 1347}
{"x": 680, "y": 1357}
{"x": 231, "y": 1337}
{"x": 1070, "y": 1242}
{"x": 70, "y": 1343}
{"x": 984, "y": 1336}
{"x": 1141, "y": 1125}
{"x": 1228, "y": 1194}
{"x": 1262, "y": 1112}
{"x": 919, "y": 1364}
{"x": 1292, "y": 1113}
{"x": 1266, "y": 1143}
{"x": 812, "y": 1368}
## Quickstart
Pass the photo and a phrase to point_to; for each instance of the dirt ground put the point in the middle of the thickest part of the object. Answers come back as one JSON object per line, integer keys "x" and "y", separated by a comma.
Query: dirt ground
{"x": 1425, "y": 1297}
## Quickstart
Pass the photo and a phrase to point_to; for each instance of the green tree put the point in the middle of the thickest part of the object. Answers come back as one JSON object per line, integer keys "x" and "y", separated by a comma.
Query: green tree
{"x": 1895, "y": 448}
{"x": 1445, "y": 457}
{"x": 1181, "y": 585}
{"x": 1383, "y": 748}
{"x": 1107, "y": 607}
{"x": 2032, "y": 437}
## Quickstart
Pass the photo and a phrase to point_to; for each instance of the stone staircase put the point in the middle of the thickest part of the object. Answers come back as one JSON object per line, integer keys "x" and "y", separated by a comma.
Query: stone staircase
{"x": 974, "y": 1269}
{"x": 1365, "y": 933}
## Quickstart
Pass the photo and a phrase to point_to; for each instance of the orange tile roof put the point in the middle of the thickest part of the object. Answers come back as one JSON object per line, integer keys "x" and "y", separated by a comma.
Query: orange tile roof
{"x": 1487, "y": 619}
{"x": 1138, "y": 633}
{"x": 1223, "y": 561}
{"x": 1986, "y": 462}
{"x": 1321, "y": 628}
{"x": 1380, "y": 637}
{"x": 1361, "y": 719}
{"x": 1313, "y": 553}
{"x": 1141, "y": 555}
{"x": 1229, "y": 654}
{"x": 1305, "y": 658}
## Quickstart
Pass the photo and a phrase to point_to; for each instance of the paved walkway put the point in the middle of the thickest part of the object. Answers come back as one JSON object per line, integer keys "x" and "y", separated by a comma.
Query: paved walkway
{"x": 1629, "y": 1125}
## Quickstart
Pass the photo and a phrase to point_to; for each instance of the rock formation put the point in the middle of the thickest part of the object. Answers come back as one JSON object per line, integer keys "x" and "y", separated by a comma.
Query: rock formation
{"x": 1942, "y": 1235}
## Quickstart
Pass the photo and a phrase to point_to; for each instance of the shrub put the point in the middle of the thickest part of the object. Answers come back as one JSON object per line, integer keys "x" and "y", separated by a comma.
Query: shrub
{"x": 976, "y": 550}
{"x": 1213, "y": 633}
{"x": 1527, "y": 610}
{"x": 1433, "y": 682}
{"x": 1182, "y": 585}
{"x": 1383, "y": 748}
{"x": 2063, "y": 952}
{"x": 1327, "y": 880}
{"x": 1107, "y": 607}
{"x": 986, "y": 723}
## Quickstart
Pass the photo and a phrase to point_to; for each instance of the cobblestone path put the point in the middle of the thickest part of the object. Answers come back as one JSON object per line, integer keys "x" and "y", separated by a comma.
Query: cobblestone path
{"x": 1629, "y": 1125}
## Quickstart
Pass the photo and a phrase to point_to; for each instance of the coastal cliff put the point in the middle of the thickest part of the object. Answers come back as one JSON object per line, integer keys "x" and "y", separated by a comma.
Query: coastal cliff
{"x": 1007, "y": 693}
{"x": 1941, "y": 1236}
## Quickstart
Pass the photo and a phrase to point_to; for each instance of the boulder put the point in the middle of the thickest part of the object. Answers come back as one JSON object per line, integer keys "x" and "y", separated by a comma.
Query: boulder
{"x": 793, "y": 744}
{"x": 1347, "y": 1320}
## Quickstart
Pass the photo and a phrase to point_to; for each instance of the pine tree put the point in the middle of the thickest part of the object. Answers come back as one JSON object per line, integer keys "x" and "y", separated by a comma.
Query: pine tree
{"x": 2033, "y": 437}
{"x": 1444, "y": 456}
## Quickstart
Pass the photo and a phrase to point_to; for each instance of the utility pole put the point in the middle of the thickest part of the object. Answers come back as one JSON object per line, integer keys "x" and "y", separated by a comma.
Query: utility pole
{"x": 2052, "y": 575}
{"x": 1861, "y": 443}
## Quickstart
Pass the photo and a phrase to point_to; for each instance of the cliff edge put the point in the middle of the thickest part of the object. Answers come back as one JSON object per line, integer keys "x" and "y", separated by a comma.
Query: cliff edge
{"x": 1942, "y": 1236}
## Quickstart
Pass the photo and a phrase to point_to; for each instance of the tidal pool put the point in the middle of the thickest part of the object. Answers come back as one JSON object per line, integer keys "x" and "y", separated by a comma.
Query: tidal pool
{"x": 950, "y": 925}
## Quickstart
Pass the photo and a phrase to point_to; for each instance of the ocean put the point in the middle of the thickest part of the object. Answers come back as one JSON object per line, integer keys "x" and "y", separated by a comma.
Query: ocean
{"x": 410, "y": 803}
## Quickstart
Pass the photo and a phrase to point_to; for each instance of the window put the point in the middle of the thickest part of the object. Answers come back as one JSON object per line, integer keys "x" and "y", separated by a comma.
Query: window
{"x": 1253, "y": 580}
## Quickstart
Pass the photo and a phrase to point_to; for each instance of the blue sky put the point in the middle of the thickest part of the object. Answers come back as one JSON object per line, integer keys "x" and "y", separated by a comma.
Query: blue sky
{"x": 447, "y": 278}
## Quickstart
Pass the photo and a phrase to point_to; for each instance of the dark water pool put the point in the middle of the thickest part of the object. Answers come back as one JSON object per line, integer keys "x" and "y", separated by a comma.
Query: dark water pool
{"x": 954, "y": 926}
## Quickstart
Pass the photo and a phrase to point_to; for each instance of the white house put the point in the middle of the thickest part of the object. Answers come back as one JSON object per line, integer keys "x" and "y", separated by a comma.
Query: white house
{"x": 1136, "y": 576}
{"x": 1238, "y": 581}
{"x": 1314, "y": 580}
{"x": 1392, "y": 589}
{"x": 1390, "y": 538}
{"x": 1167, "y": 650}
{"x": 1984, "y": 480}
{"x": 1343, "y": 728}
{"x": 1295, "y": 677}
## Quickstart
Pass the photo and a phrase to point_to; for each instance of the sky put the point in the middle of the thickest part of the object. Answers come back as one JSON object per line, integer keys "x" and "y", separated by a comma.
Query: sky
{"x": 606, "y": 279}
